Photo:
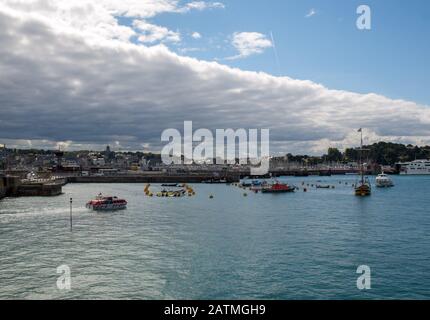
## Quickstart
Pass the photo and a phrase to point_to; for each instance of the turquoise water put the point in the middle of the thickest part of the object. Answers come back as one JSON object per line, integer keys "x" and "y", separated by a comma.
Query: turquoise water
{"x": 287, "y": 246}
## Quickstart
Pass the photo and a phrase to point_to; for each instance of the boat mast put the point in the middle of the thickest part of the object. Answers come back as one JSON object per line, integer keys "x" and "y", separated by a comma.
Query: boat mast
{"x": 361, "y": 157}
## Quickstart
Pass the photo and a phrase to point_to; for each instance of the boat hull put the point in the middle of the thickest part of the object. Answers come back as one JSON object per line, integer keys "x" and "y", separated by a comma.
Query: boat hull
{"x": 106, "y": 207}
{"x": 277, "y": 191}
{"x": 384, "y": 184}
{"x": 363, "y": 191}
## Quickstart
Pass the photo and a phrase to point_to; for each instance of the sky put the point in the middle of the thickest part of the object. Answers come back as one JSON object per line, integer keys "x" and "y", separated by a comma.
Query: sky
{"x": 84, "y": 74}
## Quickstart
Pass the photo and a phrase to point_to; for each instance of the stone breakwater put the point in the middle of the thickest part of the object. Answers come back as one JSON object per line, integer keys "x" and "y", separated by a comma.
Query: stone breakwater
{"x": 11, "y": 186}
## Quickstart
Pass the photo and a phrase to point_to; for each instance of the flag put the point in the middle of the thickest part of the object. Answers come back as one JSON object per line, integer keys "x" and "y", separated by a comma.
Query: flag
{"x": 360, "y": 130}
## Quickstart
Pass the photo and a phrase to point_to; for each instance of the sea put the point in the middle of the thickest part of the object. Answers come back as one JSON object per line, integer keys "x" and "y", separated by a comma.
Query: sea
{"x": 236, "y": 245}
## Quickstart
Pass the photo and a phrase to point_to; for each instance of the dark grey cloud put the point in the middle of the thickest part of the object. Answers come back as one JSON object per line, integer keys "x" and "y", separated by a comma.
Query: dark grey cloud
{"x": 57, "y": 84}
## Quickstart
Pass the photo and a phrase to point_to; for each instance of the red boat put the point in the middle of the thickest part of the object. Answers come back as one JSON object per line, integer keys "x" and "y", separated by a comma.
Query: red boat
{"x": 102, "y": 203}
{"x": 278, "y": 188}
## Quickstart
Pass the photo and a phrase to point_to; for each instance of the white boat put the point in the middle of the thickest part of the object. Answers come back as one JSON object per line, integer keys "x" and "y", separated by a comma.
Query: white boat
{"x": 417, "y": 167}
{"x": 384, "y": 181}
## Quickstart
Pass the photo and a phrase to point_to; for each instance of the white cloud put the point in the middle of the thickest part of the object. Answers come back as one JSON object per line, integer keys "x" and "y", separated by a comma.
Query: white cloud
{"x": 188, "y": 50}
{"x": 95, "y": 19}
{"x": 196, "y": 35}
{"x": 151, "y": 33}
{"x": 311, "y": 13}
{"x": 62, "y": 82}
{"x": 202, "y": 5}
{"x": 249, "y": 43}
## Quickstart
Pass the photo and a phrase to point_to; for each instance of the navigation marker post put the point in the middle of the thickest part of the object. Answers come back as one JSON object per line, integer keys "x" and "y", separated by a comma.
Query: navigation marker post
{"x": 71, "y": 219}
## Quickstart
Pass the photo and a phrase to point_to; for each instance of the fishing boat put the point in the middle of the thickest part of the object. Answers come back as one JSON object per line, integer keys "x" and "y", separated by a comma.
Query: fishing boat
{"x": 103, "y": 203}
{"x": 363, "y": 188}
{"x": 278, "y": 187}
{"x": 384, "y": 181}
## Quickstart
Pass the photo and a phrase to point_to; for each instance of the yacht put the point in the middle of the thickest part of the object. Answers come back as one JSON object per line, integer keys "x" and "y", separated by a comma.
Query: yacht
{"x": 417, "y": 167}
{"x": 384, "y": 181}
{"x": 363, "y": 187}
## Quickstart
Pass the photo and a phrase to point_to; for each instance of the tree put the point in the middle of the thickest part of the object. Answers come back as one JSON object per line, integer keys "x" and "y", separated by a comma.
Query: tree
{"x": 334, "y": 155}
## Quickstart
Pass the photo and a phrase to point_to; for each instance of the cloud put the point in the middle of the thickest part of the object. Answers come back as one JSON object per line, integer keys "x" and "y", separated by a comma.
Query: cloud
{"x": 202, "y": 5}
{"x": 152, "y": 33}
{"x": 249, "y": 43}
{"x": 95, "y": 19}
{"x": 63, "y": 83}
{"x": 188, "y": 50}
{"x": 311, "y": 13}
{"x": 196, "y": 35}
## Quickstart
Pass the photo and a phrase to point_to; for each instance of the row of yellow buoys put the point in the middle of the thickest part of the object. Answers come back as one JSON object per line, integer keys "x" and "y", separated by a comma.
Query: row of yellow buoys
{"x": 186, "y": 190}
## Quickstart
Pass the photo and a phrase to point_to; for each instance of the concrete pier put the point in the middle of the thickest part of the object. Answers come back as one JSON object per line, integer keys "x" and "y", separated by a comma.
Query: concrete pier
{"x": 39, "y": 190}
{"x": 12, "y": 186}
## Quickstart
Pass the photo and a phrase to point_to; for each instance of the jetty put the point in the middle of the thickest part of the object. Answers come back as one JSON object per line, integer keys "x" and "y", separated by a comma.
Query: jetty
{"x": 15, "y": 186}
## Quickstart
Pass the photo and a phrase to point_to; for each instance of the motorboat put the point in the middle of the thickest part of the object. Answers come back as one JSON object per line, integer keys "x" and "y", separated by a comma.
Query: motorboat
{"x": 384, "y": 181}
{"x": 278, "y": 187}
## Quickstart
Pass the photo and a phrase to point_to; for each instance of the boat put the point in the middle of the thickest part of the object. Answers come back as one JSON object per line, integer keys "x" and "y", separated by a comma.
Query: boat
{"x": 384, "y": 181}
{"x": 245, "y": 184}
{"x": 215, "y": 181}
{"x": 278, "y": 188}
{"x": 417, "y": 167}
{"x": 103, "y": 203}
{"x": 323, "y": 187}
{"x": 363, "y": 187}
{"x": 258, "y": 185}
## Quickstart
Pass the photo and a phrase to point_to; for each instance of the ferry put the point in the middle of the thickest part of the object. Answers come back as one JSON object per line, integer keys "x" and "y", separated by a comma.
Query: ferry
{"x": 417, "y": 167}
{"x": 384, "y": 181}
{"x": 103, "y": 203}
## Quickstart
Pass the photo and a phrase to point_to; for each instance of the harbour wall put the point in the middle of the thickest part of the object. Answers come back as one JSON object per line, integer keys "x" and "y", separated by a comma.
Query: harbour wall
{"x": 13, "y": 186}
{"x": 182, "y": 178}
{"x": 39, "y": 190}
{"x": 2, "y": 188}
